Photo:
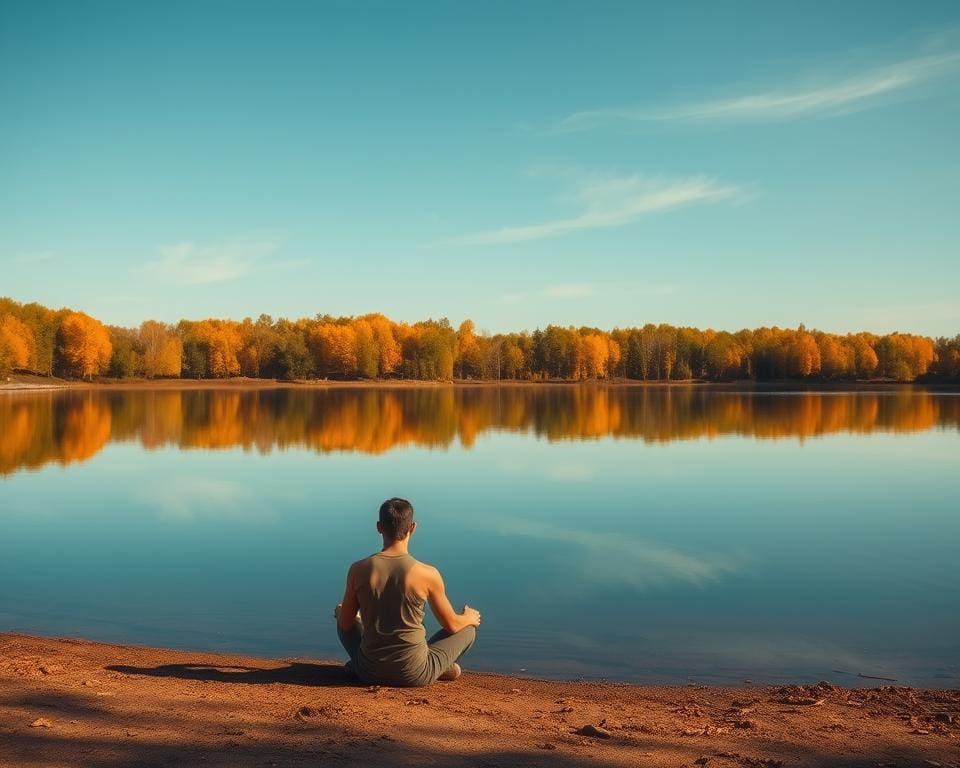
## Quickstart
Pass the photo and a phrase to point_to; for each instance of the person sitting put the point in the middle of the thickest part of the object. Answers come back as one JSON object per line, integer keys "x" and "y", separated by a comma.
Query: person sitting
{"x": 380, "y": 621}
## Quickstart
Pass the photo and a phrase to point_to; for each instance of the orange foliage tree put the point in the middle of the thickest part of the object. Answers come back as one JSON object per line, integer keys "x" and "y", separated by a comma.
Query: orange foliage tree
{"x": 16, "y": 344}
{"x": 335, "y": 349}
{"x": 84, "y": 345}
{"x": 162, "y": 350}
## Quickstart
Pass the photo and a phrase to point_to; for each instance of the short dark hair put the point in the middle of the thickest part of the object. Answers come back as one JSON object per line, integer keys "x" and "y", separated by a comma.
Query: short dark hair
{"x": 396, "y": 518}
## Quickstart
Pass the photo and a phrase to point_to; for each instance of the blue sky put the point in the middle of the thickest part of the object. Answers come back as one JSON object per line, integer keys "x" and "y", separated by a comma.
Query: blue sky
{"x": 722, "y": 165}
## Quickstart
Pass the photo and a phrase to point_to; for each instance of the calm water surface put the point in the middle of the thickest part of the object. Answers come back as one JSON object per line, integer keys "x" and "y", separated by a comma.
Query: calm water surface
{"x": 629, "y": 533}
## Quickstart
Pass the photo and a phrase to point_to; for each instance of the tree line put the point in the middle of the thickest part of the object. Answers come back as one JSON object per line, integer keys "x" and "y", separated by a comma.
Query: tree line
{"x": 71, "y": 344}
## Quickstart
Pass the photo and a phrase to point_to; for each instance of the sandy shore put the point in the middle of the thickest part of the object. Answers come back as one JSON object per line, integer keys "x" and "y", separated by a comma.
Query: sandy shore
{"x": 67, "y": 702}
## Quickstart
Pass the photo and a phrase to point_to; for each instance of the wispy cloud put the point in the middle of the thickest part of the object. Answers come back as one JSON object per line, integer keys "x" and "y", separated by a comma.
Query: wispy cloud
{"x": 194, "y": 498}
{"x": 190, "y": 263}
{"x": 576, "y": 473}
{"x": 610, "y": 201}
{"x": 585, "y": 290}
{"x": 851, "y": 93}
{"x": 569, "y": 290}
{"x": 33, "y": 257}
{"x": 607, "y": 558}
{"x": 555, "y": 291}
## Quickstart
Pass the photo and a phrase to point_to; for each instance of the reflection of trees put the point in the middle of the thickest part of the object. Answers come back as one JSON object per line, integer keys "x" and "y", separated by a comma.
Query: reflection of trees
{"x": 47, "y": 427}
{"x": 63, "y": 427}
{"x": 86, "y": 429}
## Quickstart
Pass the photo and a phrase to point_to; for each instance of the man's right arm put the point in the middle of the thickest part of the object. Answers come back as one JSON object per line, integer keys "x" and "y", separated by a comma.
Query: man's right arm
{"x": 449, "y": 619}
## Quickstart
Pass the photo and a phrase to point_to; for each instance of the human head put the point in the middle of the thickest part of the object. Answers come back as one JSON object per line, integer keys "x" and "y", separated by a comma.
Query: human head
{"x": 396, "y": 519}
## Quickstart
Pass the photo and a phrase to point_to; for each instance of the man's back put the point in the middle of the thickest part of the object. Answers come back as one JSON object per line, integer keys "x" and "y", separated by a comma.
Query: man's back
{"x": 394, "y": 641}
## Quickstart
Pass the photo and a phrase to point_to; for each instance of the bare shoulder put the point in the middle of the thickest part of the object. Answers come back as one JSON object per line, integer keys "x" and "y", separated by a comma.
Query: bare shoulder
{"x": 358, "y": 568}
{"x": 427, "y": 573}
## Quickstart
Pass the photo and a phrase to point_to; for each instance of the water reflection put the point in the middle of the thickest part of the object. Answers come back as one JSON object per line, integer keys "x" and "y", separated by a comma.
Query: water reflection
{"x": 63, "y": 427}
{"x": 607, "y": 559}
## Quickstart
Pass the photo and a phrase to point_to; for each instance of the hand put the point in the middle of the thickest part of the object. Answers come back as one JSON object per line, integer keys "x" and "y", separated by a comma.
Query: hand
{"x": 471, "y": 616}
{"x": 336, "y": 612}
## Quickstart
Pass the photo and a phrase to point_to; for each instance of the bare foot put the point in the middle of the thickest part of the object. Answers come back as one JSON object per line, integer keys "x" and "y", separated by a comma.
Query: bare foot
{"x": 451, "y": 674}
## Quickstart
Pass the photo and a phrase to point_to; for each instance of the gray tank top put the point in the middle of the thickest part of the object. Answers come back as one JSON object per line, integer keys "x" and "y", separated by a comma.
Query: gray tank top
{"x": 394, "y": 645}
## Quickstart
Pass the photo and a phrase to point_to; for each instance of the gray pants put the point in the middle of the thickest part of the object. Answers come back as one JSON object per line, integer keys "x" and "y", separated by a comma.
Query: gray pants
{"x": 443, "y": 649}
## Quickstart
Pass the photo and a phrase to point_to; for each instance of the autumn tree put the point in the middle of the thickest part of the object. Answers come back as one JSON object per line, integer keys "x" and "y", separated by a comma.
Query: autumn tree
{"x": 614, "y": 356}
{"x": 803, "y": 354}
{"x": 161, "y": 348}
{"x": 84, "y": 345}
{"x": 947, "y": 362}
{"x": 723, "y": 357}
{"x": 211, "y": 348}
{"x": 665, "y": 351}
{"x": 513, "y": 360}
{"x": 557, "y": 353}
{"x": 388, "y": 347}
{"x": 837, "y": 358}
{"x": 126, "y": 355}
{"x": 16, "y": 344}
{"x": 865, "y": 357}
{"x": 469, "y": 357}
{"x": 44, "y": 324}
{"x": 430, "y": 350}
{"x": 903, "y": 356}
{"x": 368, "y": 355}
{"x": 292, "y": 358}
{"x": 334, "y": 347}
{"x": 595, "y": 354}
{"x": 257, "y": 346}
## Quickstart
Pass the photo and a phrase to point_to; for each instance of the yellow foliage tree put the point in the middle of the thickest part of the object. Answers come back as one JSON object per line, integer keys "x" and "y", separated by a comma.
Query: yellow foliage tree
{"x": 221, "y": 339}
{"x": 368, "y": 356}
{"x": 865, "y": 357}
{"x": 613, "y": 356}
{"x": 84, "y": 345}
{"x": 836, "y": 358}
{"x": 594, "y": 354}
{"x": 389, "y": 348}
{"x": 16, "y": 344}
{"x": 468, "y": 361}
{"x": 162, "y": 350}
{"x": 803, "y": 354}
{"x": 335, "y": 347}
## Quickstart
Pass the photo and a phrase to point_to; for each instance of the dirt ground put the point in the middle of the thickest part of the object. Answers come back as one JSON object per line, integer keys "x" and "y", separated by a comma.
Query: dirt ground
{"x": 67, "y": 702}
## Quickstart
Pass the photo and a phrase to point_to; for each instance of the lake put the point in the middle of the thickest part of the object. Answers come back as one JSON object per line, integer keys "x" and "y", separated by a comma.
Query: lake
{"x": 655, "y": 534}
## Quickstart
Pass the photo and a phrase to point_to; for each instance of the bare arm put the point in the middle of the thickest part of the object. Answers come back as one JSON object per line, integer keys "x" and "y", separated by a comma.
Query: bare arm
{"x": 449, "y": 619}
{"x": 350, "y": 605}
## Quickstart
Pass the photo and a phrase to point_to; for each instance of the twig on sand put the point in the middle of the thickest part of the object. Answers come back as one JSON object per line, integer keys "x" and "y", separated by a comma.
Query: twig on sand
{"x": 876, "y": 677}
{"x": 865, "y": 677}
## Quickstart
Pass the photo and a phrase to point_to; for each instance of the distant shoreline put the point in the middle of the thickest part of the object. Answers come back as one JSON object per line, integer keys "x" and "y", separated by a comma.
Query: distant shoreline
{"x": 23, "y": 383}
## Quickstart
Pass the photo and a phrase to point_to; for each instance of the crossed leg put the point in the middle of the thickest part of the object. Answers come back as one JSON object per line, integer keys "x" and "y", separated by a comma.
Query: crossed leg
{"x": 446, "y": 649}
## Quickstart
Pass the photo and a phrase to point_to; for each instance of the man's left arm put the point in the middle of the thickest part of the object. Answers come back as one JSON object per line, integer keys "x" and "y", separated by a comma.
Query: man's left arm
{"x": 350, "y": 605}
